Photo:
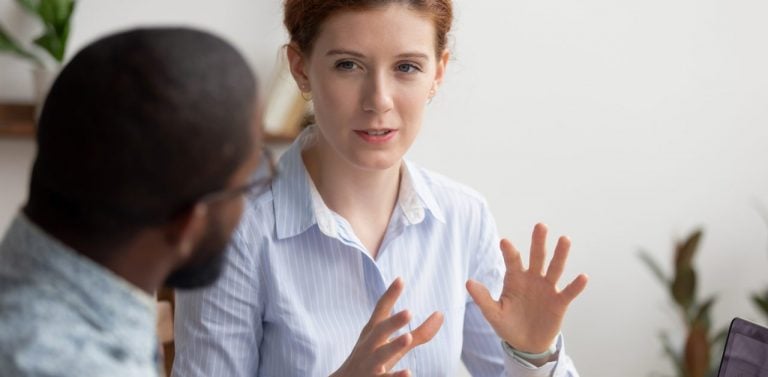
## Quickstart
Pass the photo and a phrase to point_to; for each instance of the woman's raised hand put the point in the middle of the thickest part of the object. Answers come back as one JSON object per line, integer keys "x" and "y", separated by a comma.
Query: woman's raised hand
{"x": 530, "y": 310}
{"x": 375, "y": 354}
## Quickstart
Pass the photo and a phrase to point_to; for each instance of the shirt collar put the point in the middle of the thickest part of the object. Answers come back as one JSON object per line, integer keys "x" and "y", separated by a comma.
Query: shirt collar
{"x": 294, "y": 211}
{"x": 416, "y": 195}
{"x": 298, "y": 204}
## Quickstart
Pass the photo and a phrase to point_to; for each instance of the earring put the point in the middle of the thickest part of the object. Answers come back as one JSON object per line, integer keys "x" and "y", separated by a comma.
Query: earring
{"x": 432, "y": 93}
{"x": 306, "y": 94}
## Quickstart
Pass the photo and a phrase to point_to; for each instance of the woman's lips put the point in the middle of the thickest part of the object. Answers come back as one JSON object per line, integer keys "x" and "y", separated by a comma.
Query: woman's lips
{"x": 376, "y": 136}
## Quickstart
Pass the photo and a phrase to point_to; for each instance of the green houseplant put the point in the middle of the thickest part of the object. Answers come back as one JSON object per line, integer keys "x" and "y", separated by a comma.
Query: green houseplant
{"x": 55, "y": 16}
{"x": 47, "y": 51}
{"x": 701, "y": 342}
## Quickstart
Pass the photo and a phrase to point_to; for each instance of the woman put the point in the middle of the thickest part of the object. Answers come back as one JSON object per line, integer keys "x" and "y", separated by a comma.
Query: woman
{"x": 348, "y": 215}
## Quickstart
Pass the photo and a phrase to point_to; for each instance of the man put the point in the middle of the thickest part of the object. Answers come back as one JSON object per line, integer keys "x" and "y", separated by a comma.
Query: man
{"x": 146, "y": 145}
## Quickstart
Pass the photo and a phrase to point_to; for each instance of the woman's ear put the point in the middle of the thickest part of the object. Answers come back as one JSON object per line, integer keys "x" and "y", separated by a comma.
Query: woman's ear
{"x": 297, "y": 63}
{"x": 442, "y": 65}
{"x": 187, "y": 229}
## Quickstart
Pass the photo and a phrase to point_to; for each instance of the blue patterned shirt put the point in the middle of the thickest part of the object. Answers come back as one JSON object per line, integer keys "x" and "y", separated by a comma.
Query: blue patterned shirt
{"x": 63, "y": 315}
{"x": 299, "y": 286}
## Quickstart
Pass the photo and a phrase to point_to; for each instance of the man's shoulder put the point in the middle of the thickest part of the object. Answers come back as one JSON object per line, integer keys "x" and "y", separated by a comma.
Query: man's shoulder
{"x": 39, "y": 339}
{"x": 36, "y": 314}
{"x": 32, "y": 312}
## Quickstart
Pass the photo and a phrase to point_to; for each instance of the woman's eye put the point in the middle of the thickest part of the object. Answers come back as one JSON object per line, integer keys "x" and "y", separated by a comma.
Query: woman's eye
{"x": 346, "y": 65}
{"x": 407, "y": 68}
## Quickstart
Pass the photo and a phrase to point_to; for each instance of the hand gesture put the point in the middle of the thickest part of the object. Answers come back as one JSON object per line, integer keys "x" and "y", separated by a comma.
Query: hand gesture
{"x": 530, "y": 310}
{"x": 375, "y": 353}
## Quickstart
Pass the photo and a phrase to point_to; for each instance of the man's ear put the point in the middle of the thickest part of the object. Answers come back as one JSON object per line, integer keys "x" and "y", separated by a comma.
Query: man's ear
{"x": 297, "y": 63}
{"x": 186, "y": 230}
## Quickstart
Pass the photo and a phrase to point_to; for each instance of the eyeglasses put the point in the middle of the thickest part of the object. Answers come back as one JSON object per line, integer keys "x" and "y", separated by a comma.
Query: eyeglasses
{"x": 258, "y": 185}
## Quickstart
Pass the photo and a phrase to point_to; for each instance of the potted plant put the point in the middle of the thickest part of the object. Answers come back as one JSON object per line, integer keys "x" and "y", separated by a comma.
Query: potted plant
{"x": 701, "y": 342}
{"x": 55, "y": 16}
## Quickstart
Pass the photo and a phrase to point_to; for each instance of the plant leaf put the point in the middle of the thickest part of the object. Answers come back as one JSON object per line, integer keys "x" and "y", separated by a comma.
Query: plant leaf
{"x": 51, "y": 43}
{"x": 8, "y": 44}
{"x": 654, "y": 267}
{"x": 761, "y": 303}
{"x": 684, "y": 288}
{"x": 30, "y": 5}
{"x": 702, "y": 314}
{"x": 697, "y": 352}
{"x": 686, "y": 250}
{"x": 56, "y": 15}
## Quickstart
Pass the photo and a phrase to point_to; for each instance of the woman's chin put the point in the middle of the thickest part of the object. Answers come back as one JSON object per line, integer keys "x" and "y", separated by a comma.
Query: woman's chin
{"x": 377, "y": 161}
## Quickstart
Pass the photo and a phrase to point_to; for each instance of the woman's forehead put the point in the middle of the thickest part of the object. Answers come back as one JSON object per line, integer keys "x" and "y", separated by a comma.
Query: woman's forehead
{"x": 393, "y": 28}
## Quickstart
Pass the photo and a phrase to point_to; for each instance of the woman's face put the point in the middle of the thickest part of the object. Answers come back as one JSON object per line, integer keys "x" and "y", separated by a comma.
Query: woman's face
{"x": 371, "y": 74}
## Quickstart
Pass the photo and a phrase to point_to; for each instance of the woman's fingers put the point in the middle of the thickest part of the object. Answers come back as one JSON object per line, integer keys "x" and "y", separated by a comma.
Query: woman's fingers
{"x": 422, "y": 334}
{"x": 512, "y": 259}
{"x": 571, "y": 291}
{"x": 482, "y": 297}
{"x": 400, "y": 373}
{"x": 389, "y": 354}
{"x": 384, "y": 329}
{"x": 428, "y": 329}
{"x": 384, "y": 306}
{"x": 374, "y": 354}
{"x": 557, "y": 264}
{"x": 538, "y": 249}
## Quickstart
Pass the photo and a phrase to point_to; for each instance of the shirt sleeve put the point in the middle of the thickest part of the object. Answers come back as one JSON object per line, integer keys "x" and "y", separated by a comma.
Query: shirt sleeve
{"x": 482, "y": 352}
{"x": 217, "y": 329}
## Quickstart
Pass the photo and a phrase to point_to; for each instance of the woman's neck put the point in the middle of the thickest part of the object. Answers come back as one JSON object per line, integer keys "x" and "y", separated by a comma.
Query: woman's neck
{"x": 365, "y": 198}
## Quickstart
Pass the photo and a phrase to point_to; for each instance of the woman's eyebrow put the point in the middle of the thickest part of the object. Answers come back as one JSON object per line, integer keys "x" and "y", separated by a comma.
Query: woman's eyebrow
{"x": 344, "y": 52}
{"x": 412, "y": 55}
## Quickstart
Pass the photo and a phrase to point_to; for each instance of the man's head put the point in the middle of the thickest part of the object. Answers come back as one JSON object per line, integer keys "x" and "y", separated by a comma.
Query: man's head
{"x": 136, "y": 130}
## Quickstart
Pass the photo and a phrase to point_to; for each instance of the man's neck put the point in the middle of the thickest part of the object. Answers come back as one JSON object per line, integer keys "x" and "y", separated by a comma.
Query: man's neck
{"x": 137, "y": 261}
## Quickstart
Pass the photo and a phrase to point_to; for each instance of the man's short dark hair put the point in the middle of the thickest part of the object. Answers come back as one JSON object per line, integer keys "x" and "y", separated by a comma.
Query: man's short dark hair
{"x": 137, "y": 127}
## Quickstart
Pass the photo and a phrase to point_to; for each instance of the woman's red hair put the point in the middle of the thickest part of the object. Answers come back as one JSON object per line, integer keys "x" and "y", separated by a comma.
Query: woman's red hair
{"x": 303, "y": 18}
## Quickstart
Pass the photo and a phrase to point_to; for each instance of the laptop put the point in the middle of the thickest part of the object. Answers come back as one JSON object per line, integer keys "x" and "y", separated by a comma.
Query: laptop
{"x": 746, "y": 350}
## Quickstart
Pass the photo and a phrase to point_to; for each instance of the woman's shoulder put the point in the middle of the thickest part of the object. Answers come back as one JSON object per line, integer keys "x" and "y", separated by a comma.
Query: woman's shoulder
{"x": 258, "y": 217}
{"x": 446, "y": 191}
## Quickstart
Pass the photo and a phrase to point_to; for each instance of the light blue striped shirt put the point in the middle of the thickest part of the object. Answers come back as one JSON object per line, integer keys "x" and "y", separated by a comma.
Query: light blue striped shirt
{"x": 299, "y": 286}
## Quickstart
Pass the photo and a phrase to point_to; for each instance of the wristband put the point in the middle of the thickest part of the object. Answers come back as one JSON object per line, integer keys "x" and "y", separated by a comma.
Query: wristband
{"x": 511, "y": 351}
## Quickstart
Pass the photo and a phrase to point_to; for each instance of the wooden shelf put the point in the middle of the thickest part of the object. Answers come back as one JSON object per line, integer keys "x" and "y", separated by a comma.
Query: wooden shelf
{"x": 17, "y": 120}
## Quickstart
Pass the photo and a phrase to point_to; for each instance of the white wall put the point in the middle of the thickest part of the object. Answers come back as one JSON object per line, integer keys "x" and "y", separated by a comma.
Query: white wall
{"x": 622, "y": 124}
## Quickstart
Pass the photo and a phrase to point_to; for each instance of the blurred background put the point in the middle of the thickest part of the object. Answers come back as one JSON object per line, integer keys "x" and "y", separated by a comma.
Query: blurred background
{"x": 625, "y": 125}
